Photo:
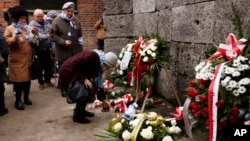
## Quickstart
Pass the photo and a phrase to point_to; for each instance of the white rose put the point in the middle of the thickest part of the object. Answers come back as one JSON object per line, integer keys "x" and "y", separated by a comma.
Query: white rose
{"x": 147, "y": 134}
{"x": 117, "y": 127}
{"x": 143, "y": 53}
{"x": 153, "y": 54}
{"x": 173, "y": 122}
{"x": 174, "y": 130}
{"x": 167, "y": 138}
{"x": 145, "y": 59}
{"x": 125, "y": 82}
{"x": 118, "y": 62}
{"x": 149, "y": 52}
{"x": 126, "y": 135}
{"x": 113, "y": 93}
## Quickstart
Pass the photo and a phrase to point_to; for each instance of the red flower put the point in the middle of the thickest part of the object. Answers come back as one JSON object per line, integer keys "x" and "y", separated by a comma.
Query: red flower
{"x": 197, "y": 114}
{"x": 194, "y": 106}
{"x": 205, "y": 111}
{"x": 203, "y": 98}
{"x": 219, "y": 103}
{"x": 192, "y": 84}
{"x": 235, "y": 111}
{"x": 232, "y": 119}
{"x": 192, "y": 92}
{"x": 33, "y": 31}
{"x": 201, "y": 81}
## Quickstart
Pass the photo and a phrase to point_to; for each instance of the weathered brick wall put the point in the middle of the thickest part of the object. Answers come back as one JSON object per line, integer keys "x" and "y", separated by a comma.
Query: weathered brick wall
{"x": 89, "y": 12}
{"x": 190, "y": 26}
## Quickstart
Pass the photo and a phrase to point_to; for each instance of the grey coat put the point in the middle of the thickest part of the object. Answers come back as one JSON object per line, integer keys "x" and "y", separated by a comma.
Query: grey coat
{"x": 59, "y": 32}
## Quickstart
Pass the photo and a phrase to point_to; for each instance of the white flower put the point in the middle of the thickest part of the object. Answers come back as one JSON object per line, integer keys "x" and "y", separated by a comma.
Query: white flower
{"x": 118, "y": 62}
{"x": 244, "y": 81}
{"x": 123, "y": 50}
{"x": 154, "y": 48}
{"x": 235, "y": 74}
{"x": 134, "y": 123}
{"x": 125, "y": 82}
{"x": 121, "y": 72}
{"x": 233, "y": 84}
{"x": 242, "y": 90}
{"x": 149, "y": 52}
{"x": 236, "y": 63}
{"x": 153, "y": 54}
{"x": 120, "y": 55}
{"x": 174, "y": 130}
{"x": 113, "y": 93}
{"x": 145, "y": 59}
{"x": 126, "y": 135}
{"x": 173, "y": 122}
{"x": 143, "y": 53}
{"x": 152, "y": 115}
{"x": 167, "y": 138}
{"x": 236, "y": 93}
{"x": 117, "y": 127}
{"x": 147, "y": 134}
{"x": 122, "y": 120}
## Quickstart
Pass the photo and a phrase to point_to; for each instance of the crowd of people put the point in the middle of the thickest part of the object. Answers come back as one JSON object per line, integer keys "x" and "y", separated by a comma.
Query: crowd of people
{"x": 55, "y": 36}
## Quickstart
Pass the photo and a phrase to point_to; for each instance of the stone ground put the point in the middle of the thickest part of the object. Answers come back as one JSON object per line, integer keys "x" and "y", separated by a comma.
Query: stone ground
{"x": 50, "y": 119}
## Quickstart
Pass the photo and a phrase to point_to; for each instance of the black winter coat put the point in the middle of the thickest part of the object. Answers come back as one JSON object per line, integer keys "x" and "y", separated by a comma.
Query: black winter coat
{"x": 4, "y": 51}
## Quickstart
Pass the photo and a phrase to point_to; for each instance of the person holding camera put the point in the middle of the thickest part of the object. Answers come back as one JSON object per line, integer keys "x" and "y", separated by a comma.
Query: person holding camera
{"x": 18, "y": 38}
{"x": 88, "y": 65}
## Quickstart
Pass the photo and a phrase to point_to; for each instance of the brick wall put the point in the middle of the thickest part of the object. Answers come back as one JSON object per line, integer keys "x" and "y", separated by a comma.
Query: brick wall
{"x": 89, "y": 12}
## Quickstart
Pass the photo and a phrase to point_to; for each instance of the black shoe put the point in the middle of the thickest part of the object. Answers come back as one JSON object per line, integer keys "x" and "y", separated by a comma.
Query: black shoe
{"x": 27, "y": 102}
{"x": 19, "y": 105}
{"x": 80, "y": 119}
{"x": 88, "y": 114}
{"x": 105, "y": 110}
{"x": 64, "y": 94}
{"x": 4, "y": 111}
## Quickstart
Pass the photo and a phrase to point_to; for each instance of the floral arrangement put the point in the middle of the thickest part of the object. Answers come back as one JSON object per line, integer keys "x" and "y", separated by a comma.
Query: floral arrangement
{"x": 144, "y": 126}
{"x": 220, "y": 91}
{"x": 139, "y": 61}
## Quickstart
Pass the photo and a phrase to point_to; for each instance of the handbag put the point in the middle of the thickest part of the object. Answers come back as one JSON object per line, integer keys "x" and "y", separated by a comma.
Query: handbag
{"x": 76, "y": 91}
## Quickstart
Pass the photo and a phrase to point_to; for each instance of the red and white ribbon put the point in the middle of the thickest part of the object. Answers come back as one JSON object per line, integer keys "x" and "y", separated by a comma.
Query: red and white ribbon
{"x": 127, "y": 98}
{"x": 108, "y": 85}
{"x": 121, "y": 104}
{"x": 213, "y": 92}
{"x": 231, "y": 49}
{"x": 178, "y": 113}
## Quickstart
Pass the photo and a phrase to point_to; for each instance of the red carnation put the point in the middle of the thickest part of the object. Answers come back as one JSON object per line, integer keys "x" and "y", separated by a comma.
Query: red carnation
{"x": 235, "y": 111}
{"x": 192, "y": 84}
{"x": 219, "y": 103}
{"x": 197, "y": 114}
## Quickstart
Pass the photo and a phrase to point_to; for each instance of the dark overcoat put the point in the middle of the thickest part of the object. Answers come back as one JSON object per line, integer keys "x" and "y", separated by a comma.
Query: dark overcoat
{"x": 4, "y": 51}
{"x": 59, "y": 33}
{"x": 86, "y": 62}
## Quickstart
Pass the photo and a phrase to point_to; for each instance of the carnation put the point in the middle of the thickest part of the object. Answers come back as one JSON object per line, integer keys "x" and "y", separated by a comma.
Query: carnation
{"x": 126, "y": 135}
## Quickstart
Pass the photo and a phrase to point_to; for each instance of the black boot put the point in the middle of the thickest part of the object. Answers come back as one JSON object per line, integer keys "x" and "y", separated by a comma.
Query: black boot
{"x": 19, "y": 105}
{"x": 3, "y": 111}
{"x": 63, "y": 93}
{"x": 26, "y": 94}
{"x": 88, "y": 114}
{"x": 79, "y": 118}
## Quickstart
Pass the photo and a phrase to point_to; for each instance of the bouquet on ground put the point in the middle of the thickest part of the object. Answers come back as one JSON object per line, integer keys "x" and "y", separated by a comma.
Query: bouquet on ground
{"x": 143, "y": 126}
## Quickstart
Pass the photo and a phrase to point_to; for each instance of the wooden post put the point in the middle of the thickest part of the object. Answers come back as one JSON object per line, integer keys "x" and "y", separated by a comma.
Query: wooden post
{"x": 146, "y": 97}
{"x": 171, "y": 84}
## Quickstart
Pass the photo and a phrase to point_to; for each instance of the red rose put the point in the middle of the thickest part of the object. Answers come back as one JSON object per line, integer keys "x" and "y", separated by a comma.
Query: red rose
{"x": 151, "y": 60}
{"x": 203, "y": 98}
{"x": 205, "y": 111}
{"x": 33, "y": 31}
{"x": 207, "y": 122}
{"x": 201, "y": 81}
{"x": 192, "y": 92}
{"x": 197, "y": 114}
{"x": 232, "y": 119}
{"x": 235, "y": 111}
{"x": 192, "y": 84}
{"x": 219, "y": 103}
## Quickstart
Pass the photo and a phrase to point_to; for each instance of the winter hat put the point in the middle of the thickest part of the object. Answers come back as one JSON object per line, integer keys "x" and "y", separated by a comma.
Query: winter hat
{"x": 52, "y": 13}
{"x": 110, "y": 59}
{"x": 68, "y": 5}
{"x": 18, "y": 12}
